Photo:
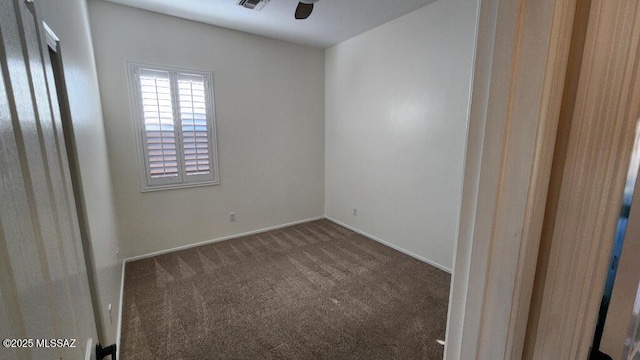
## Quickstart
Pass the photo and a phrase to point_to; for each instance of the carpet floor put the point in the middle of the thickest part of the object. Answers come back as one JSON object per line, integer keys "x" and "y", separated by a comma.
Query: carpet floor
{"x": 310, "y": 291}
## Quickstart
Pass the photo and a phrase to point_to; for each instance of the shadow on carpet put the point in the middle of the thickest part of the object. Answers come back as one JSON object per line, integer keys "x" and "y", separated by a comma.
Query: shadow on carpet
{"x": 310, "y": 291}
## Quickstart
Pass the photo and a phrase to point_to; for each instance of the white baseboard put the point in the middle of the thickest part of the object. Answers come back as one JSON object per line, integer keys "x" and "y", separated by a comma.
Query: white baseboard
{"x": 386, "y": 243}
{"x": 253, "y": 232}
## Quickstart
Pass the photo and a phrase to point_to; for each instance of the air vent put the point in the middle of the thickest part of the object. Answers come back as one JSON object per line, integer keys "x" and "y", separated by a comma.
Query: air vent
{"x": 253, "y": 4}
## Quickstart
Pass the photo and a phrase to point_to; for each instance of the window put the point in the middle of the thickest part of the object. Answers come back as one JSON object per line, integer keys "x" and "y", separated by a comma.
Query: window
{"x": 175, "y": 126}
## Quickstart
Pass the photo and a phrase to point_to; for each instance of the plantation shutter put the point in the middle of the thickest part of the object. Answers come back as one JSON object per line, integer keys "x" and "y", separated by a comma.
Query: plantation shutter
{"x": 194, "y": 125}
{"x": 160, "y": 138}
{"x": 176, "y": 126}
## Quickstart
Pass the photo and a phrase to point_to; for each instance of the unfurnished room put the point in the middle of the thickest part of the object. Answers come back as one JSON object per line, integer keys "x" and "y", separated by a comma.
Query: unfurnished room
{"x": 323, "y": 149}
{"x": 308, "y": 179}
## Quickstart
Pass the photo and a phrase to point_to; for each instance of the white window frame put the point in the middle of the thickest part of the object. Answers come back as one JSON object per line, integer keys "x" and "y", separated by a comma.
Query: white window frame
{"x": 146, "y": 182}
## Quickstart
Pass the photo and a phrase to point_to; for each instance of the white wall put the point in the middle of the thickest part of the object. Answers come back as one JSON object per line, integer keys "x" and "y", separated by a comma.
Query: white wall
{"x": 69, "y": 20}
{"x": 269, "y": 98}
{"x": 396, "y": 121}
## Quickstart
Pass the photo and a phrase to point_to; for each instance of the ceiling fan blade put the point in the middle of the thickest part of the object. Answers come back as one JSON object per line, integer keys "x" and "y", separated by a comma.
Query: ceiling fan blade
{"x": 303, "y": 11}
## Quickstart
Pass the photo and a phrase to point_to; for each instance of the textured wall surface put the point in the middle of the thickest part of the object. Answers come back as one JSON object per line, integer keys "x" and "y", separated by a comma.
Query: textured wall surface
{"x": 397, "y": 99}
{"x": 69, "y": 20}
{"x": 269, "y": 98}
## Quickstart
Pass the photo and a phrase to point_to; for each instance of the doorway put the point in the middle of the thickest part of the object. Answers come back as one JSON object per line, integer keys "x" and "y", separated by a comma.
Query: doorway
{"x": 70, "y": 155}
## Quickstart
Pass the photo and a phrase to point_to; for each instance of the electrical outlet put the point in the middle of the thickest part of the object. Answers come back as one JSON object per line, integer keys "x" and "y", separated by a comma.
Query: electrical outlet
{"x": 355, "y": 211}
{"x": 232, "y": 217}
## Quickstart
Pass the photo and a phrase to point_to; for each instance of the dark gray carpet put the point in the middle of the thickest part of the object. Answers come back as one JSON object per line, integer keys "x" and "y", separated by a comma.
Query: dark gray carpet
{"x": 309, "y": 291}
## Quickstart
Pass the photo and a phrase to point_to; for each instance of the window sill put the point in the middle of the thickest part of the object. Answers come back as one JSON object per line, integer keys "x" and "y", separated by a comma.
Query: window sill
{"x": 178, "y": 186}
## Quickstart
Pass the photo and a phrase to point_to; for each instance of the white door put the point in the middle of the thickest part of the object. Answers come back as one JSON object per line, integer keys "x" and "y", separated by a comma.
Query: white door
{"x": 44, "y": 291}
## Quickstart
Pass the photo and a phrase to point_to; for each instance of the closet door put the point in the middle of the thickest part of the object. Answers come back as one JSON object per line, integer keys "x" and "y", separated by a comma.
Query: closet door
{"x": 44, "y": 291}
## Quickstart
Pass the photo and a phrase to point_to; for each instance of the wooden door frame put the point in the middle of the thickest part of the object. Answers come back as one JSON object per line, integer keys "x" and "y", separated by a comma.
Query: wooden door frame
{"x": 580, "y": 231}
{"x": 522, "y": 54}
{"x": 521, "y": 60}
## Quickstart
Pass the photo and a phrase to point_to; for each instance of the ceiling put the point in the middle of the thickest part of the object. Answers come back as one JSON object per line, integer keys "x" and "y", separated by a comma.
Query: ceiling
{"x": 331, "y": 22}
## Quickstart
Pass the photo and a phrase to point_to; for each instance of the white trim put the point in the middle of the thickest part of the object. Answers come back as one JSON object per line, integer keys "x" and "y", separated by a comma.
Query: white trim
{"x": 258, "y": 231}
{"x": 52, "y": 39}
{"x": 132, "y": 69}
{"x": 119, "y": 330}
{"x": 178, "y": 186}
{"x": 228, "y": 237}
{"x": 89, "y": 353}
{"x": 386, "y": 243}
{"x": 468, "y": 186}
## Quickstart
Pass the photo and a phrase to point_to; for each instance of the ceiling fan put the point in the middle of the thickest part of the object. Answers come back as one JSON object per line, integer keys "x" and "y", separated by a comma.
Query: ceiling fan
{"x": 304, "y": 9}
